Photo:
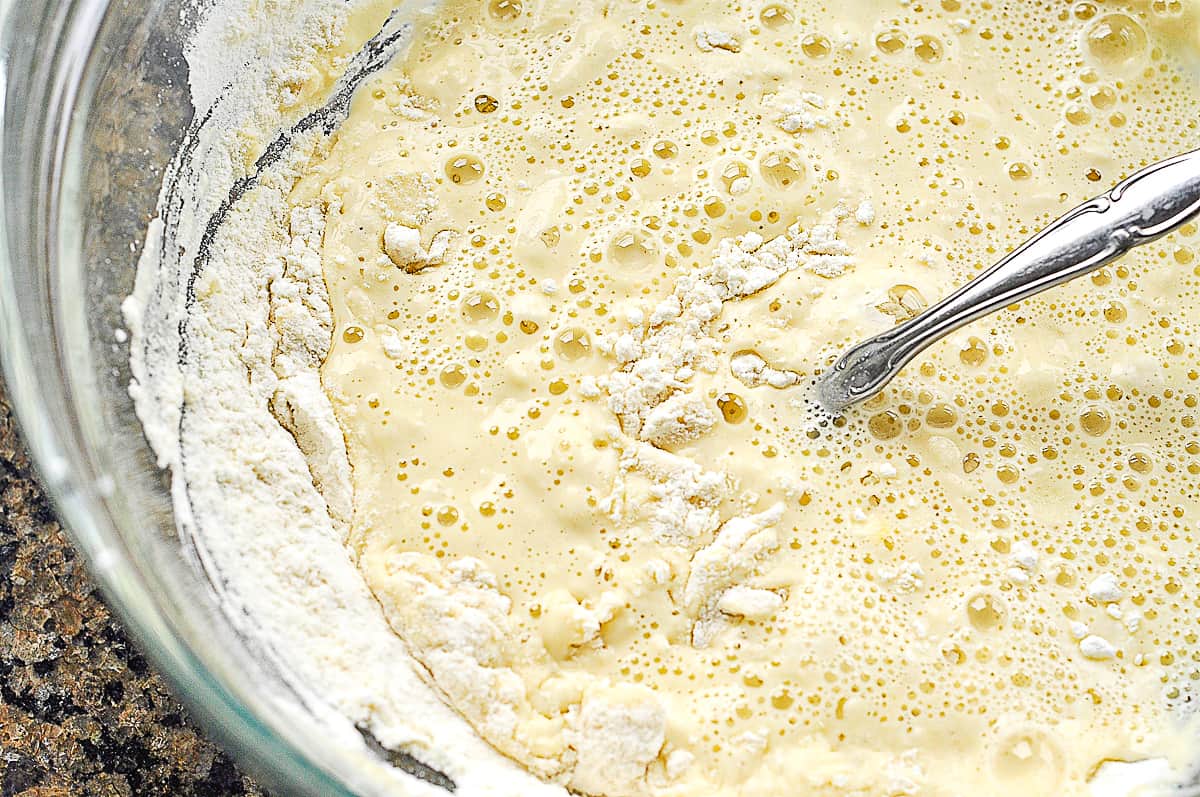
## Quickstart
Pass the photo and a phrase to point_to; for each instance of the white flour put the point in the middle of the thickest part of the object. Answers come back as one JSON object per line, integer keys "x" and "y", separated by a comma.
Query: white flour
{"x": 649, "y": 392}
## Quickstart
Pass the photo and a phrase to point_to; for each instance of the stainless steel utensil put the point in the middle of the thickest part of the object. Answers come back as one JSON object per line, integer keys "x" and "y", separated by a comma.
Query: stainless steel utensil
{"x": 1140, "y": 209}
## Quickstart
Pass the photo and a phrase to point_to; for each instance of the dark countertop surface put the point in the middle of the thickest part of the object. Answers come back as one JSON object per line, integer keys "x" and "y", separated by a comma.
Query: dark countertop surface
{"x": 81, "y": 711}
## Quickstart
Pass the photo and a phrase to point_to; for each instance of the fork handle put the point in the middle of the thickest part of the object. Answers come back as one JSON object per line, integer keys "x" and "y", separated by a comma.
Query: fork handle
{"x": 1140, "y": 209}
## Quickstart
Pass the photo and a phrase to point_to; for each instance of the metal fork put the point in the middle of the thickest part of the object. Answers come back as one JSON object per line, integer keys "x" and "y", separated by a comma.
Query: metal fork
{"x": 1140, "y": 209}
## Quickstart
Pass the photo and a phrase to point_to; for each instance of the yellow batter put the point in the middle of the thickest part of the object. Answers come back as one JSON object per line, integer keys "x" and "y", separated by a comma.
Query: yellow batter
{"x": 584, "y": 259}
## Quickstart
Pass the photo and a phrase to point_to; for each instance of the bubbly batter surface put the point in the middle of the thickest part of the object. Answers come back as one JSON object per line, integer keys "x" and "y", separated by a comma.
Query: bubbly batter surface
{"x": 584, "y": 260}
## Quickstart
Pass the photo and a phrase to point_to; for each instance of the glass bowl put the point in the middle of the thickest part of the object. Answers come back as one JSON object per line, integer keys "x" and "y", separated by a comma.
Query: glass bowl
{"x": 94, "y": 103}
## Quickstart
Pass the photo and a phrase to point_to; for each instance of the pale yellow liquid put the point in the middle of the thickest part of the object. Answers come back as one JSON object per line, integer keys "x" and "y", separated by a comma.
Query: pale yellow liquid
{"x": 595, "y": 145}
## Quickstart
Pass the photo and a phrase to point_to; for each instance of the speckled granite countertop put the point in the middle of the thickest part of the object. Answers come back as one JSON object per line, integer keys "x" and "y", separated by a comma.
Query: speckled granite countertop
{"x": 81, "y": 712}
